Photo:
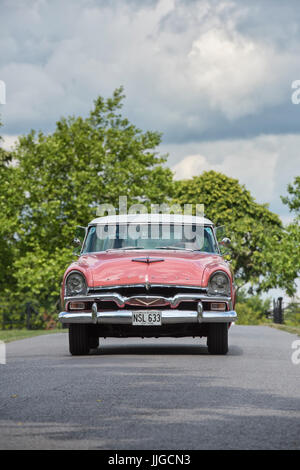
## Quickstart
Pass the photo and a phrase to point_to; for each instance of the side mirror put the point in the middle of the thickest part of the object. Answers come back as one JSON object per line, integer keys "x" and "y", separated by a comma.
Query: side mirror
{"x": 225, "y": 242}
{"x": 80, "y": 234}
{"x": 76, "y": 242}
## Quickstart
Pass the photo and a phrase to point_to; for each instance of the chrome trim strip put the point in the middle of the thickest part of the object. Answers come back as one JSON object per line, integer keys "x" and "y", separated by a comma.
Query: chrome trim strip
{"x": 124, "y": 317}
{"x": 120, "y": 300}
{"x": 69, "y": 317}
{"x": 199, "y": 310}
{"x": 94, "y": 312}
{"x": 120, "y": 286}
{"x": 218, "y": 317}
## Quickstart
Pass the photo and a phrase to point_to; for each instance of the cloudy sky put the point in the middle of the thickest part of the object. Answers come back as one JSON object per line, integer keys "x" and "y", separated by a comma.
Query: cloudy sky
{"x": 214, "y": 76}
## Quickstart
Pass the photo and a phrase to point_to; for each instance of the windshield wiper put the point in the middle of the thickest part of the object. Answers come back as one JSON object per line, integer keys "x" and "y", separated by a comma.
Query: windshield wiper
{"x": 126, "y": 248}
{"x": 172, "y": 248}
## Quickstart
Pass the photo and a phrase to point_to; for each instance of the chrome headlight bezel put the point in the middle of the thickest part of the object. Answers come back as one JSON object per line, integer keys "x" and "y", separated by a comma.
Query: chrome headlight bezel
{"x": 216, "y": 288}
{"x": 81, "y": 286}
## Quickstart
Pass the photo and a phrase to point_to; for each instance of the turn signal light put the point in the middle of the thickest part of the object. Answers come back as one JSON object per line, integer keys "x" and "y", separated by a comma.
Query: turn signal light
{"x": 76, "y": 305}
{"x": 219, "y": 306}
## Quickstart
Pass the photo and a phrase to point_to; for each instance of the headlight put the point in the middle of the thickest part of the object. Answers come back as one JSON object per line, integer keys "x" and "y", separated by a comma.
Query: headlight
{"x": 219, "y": 283}
{"x": 75, "y": 284}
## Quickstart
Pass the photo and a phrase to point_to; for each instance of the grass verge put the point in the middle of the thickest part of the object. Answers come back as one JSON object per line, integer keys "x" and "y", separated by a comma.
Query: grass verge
{"x": 290, "y": 329}
{"x": 13, "y": 335}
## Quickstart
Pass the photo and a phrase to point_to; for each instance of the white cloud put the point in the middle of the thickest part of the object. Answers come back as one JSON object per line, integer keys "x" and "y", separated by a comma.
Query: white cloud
{"x": 196, "y": 70}
{"x": 251, "y": 161}
{"x": 185, "y": 65}
{"x": 238, "y": 75}
{"x": 8, "y": 141}
{"x": 265, "y": 164}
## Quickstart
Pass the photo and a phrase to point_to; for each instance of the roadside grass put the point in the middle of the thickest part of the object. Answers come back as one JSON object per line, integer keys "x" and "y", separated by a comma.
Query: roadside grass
{"x": 14, "y": 334}
{"x": 288, "y": 328}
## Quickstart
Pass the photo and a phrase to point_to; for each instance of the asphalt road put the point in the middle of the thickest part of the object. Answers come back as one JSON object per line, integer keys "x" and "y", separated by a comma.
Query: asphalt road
{"x": 152, "y": 394}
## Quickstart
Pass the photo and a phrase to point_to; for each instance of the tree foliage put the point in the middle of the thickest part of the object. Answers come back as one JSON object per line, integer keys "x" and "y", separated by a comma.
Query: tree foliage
{"x": 286, "y": 258}
{"x": 247, "y": 223}
{"x": 252, "y": 310}
{"x": 10, "y": 202}
{"x": 52, "y": 182}
{"x": 282, "y": 259}
{"x": 57, "y": 181}
{"x": 293, "y": 200}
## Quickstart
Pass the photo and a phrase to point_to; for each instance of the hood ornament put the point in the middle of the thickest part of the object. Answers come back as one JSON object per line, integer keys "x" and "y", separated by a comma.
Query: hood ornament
{"x": 147, "y": 260}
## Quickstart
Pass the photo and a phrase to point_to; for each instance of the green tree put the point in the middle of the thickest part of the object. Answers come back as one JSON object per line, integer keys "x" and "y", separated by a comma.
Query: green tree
{"x": 251, "y": 310}
{"x": 292, "y": 314}
{"x": 10, "y": 200}
{"x": 251, "y": 226}
{"x": 84, "y": 163}
{"x": 285, "y": 262}
{"x": 282, "y": 259}
{"x": 293, "y": 200}
{"x": 58, "y": 180}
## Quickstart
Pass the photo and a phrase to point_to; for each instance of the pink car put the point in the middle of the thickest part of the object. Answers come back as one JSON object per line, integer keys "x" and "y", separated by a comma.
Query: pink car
{"x": 148, "y": 276}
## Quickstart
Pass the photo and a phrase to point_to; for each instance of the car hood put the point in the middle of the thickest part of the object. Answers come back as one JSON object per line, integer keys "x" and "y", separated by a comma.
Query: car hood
{"x": 149, "y": 267}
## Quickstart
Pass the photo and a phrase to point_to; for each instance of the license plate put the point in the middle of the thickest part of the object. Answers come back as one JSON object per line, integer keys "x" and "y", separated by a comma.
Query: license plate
{"x": 146, "y": 318}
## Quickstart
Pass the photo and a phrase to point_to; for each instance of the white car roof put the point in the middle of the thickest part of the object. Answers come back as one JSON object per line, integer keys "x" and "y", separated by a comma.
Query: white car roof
{"x": 151, "y": 218}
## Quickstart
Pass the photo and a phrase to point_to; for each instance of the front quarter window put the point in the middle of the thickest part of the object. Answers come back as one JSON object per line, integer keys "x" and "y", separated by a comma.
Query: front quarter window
{"x": 90, "y": 241}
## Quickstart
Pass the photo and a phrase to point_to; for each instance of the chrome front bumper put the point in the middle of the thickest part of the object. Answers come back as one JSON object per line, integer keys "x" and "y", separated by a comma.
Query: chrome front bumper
{"x": 124, "y": 317}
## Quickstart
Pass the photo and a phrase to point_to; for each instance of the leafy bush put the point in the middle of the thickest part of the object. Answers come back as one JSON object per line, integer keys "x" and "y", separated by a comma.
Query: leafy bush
{"x": 292, "y": 314}
{"x": 18, "y": 313}
{"x": 251, "y": 310}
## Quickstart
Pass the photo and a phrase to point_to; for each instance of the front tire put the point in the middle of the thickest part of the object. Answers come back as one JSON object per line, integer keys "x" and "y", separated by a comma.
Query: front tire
{"x": 93, "y": 342}
{"x": 78, "y": 340}
{"x": 217, "y": 339}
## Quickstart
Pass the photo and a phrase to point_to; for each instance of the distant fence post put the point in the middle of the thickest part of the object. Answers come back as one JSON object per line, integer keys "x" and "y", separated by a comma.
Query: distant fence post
{"x": 277, "y": 310}
{"x": 29, "y": 312}
{"x": 280, "y": 312}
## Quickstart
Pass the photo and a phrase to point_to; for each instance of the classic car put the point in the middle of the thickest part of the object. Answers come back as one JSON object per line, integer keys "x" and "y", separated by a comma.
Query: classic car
{"x": 152, "y": 275}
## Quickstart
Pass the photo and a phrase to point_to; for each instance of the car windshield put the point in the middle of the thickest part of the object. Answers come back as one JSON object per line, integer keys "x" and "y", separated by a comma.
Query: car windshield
{"x": 150, "y": 237}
